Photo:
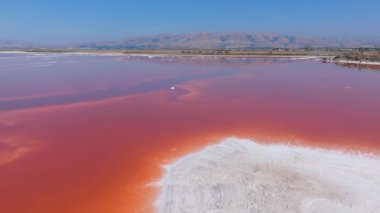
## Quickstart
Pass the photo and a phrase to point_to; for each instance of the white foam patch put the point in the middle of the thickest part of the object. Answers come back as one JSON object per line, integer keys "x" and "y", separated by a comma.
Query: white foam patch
{"x": 243, "y": 176}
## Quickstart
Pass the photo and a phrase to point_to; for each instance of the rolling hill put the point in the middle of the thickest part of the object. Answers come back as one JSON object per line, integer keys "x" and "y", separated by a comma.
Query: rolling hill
{"x": 231, "y": 40}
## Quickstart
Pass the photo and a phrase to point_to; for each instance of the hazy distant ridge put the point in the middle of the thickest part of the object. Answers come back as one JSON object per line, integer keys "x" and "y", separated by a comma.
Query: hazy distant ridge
{"x": 10, "y": 44}
{"x": 234, "y": 40}
{"x": 225, "y": 40}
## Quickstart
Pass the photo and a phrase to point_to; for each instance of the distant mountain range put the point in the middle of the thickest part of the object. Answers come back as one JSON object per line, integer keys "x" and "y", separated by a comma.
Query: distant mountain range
{"x": 11, "y": 44}
{"x": 232, "y": 40}
{"x": 224, "y": 40}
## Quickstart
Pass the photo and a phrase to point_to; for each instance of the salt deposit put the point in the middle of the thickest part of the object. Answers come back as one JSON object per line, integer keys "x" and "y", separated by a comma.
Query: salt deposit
{"x": 243, "y": 176}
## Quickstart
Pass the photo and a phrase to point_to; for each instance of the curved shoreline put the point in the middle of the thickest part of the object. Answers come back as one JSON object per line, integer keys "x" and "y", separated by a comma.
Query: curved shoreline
{"x": 239, "y": 175}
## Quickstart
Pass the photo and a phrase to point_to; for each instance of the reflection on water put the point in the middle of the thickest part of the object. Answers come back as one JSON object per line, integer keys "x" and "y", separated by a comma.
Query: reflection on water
{"x": 361, "y": 67}
{"x": 355, "y": 66}
{"x": 82, "y": 133}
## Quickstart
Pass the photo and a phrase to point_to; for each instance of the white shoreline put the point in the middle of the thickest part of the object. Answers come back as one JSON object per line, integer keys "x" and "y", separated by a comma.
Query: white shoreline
{"x": 63, "y": 53}
{"x": 153, "y": 55}
{"x": 163, "y": 55}
{"x": 243, "y": 176}
{"x": 342, "y": 61}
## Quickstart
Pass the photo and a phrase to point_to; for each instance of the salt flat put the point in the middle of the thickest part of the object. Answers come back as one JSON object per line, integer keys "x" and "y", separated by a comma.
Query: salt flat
{"x": 240, "y": 175}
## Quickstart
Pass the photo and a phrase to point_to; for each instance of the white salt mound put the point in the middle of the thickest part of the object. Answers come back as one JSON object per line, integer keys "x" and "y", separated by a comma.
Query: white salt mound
{"x": 243, "y": 176}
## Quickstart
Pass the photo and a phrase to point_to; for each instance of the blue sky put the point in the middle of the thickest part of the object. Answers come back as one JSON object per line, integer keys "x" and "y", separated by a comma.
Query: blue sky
{"x": 61, "y": 21}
